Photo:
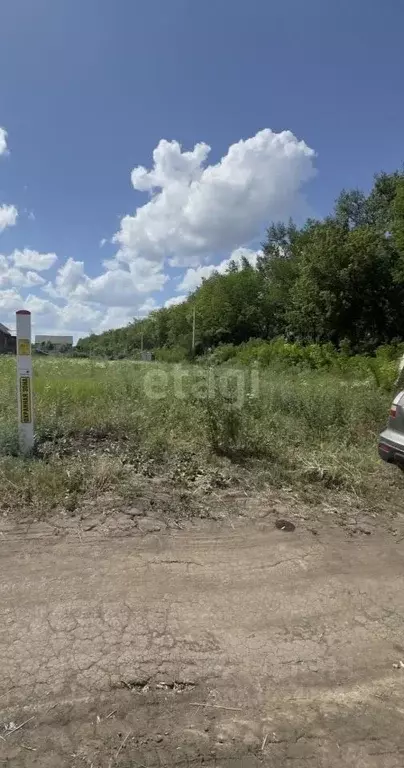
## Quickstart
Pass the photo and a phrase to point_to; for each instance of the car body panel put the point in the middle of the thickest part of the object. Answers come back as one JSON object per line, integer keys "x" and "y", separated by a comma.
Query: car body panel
{"x": 391, "y": 440}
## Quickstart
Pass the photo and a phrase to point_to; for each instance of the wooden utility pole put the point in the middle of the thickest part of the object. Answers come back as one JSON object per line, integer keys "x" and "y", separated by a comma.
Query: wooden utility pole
{"x": 193, "y": 328}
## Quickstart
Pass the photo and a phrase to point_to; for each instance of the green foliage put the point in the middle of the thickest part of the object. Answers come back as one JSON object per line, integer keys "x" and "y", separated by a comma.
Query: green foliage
{"x": 282, "y": 356}
{"x": 170, "y": 354}
{"x": 397, "y": 228}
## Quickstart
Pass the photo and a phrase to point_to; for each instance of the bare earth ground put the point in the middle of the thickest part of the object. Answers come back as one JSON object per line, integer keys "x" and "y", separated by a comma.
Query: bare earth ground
{"x": 127, "y": 640}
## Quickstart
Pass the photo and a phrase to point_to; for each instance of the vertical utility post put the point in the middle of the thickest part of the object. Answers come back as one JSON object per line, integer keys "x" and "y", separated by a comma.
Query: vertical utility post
{"x": 193, "y": 328}
{"x": 24, "y": 382}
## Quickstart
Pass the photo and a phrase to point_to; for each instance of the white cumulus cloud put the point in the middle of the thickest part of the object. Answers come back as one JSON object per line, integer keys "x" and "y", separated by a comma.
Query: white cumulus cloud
{"x": 115, "y": 317}
{"x": 197, "y": 208}
{"x": 69, "y": 276}
{"x": 28, "y": 259}
{"x": 114, "y": 288}
{"x": 41, "y": 308}
{"x": 194, "y": 276}
{"x": 77, "y": 315}
{"x": 146, "y": 307}
{"x": 117, "y": 286}
{"x": 10, "y": 300}
{"x": 3, "y": 141}
{"x": 15, "y": 277}
{"x": 8, "y": 216}
{"x": 32, "y": 279}
{"x": 175, "y": 300}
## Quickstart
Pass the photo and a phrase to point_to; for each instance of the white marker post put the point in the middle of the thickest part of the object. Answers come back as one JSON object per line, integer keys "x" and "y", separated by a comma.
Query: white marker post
{"x": 24, "y": 381}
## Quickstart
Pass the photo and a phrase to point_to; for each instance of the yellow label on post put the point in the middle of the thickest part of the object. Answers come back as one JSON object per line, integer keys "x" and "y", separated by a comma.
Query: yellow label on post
{"x": 24, "y": 347}
{"x": 25, "y": 399}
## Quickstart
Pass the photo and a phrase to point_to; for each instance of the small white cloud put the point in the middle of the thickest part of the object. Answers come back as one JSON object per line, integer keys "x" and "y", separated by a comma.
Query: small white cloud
{"x": 114, "y": 287}
{"x": 69, "y": 276}
{"x": 103, "y": 242}
{"x": 111, "y": 289}
{"x": 175, "y": 300}
{"x": 31, "y": 216}
{"x": 28, "y": 259}
{"x": 10, "y": 300}
{"x": 3, "y": 141}
{"x": 148, "y": 306}
{"x": 77, "y": 315}
{"x": 115, "y": 317}
{"x": 238, "y": 255}
{"x": 12, "y": 276}
{"x": 8, "y": 216}
{"x": 193, "y": 277}
{"x": 171, "y": 165}
{"x": 32, "y": 278}
{"x": 41, "y": 307}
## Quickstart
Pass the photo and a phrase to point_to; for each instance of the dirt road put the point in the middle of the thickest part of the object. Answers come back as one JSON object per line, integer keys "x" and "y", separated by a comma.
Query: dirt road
{"x": 231, "y": 646}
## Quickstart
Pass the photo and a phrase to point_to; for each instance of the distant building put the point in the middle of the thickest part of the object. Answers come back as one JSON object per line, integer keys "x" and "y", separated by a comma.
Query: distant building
{"x": 7, "y": 341}
{"x": 55, "y": 343}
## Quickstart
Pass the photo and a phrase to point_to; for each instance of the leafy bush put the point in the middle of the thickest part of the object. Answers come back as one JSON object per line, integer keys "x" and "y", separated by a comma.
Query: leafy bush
{"x": 170, "y": 354}
{"x": 223, "y": 353}
{"x": 286, "y": 355}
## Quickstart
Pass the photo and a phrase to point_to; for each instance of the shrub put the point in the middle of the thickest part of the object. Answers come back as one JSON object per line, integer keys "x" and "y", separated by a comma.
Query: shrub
{"x": 171, "y": 354}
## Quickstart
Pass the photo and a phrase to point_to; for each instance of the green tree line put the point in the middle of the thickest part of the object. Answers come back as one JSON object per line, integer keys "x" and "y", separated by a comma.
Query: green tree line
{"x": 338, "y": 280}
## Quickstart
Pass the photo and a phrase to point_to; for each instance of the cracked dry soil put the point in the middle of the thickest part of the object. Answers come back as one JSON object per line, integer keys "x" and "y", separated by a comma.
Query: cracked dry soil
{"x": 222, "y": 645}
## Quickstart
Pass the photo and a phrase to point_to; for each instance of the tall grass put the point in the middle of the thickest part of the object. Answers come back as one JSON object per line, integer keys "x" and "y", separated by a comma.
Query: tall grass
{"x": 98, "y": 423}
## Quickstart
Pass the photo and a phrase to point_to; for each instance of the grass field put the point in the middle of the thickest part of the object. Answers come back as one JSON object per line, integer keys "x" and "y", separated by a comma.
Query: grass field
{"x": 100, "y": 424}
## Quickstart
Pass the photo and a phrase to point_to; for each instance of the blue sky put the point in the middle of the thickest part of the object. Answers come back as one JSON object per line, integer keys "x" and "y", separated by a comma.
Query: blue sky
{"x": 89, "y": 89}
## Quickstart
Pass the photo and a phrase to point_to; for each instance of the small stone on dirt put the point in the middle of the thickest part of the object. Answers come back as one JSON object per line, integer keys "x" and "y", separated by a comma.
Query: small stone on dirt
{"x": 285, "y": 525}
{"x": 89, "y": 525}
{"x": 159, "y": 738}
{"x": 133, "y": 512}
{"x": 263, "y": 513}
{"x": 149, "y": 525}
